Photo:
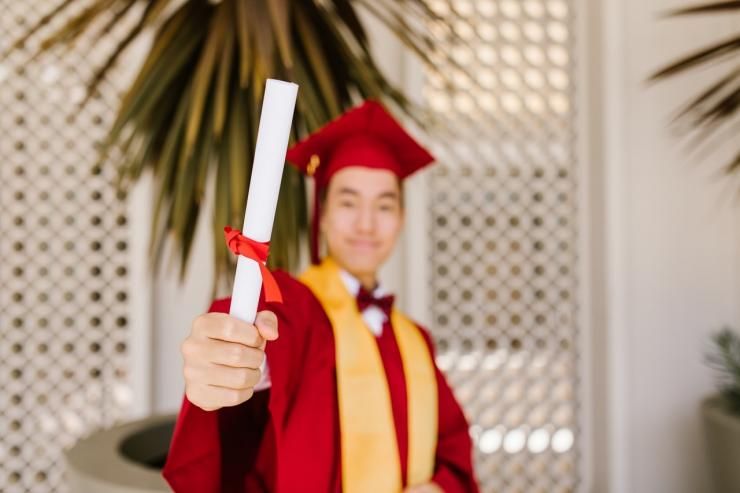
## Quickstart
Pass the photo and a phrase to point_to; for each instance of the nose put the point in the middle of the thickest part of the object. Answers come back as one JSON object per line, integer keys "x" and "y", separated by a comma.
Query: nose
{"x": 365, "y": 220}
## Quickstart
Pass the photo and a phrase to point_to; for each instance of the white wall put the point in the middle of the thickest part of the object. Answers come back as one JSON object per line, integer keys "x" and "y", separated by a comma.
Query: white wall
{"x": 673, "y": 250}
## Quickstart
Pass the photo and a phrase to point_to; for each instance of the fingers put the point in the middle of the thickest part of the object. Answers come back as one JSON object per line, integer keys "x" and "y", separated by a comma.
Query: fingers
{"x": 222, "y": 357}
{"x": 267, "y": 325}
{"x": 232, "y": 354}
{"x": 210, "y": 398}
{"x": 223, "y": 327}
{"x": 223, "y": 376}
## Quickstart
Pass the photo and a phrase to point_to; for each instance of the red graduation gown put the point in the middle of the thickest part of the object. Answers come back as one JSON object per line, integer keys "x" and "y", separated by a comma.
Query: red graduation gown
{"x": 286, "y": 439}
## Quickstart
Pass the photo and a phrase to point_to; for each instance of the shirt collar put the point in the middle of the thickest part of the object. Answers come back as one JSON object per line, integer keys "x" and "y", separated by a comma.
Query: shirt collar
{"x": 353, "y": 285}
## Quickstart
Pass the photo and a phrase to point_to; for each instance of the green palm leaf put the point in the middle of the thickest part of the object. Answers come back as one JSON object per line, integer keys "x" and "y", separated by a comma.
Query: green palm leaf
{"x": 715, "y": 107}
{"x": 710, "y": 8}
{"x": 725, "y": 48}
{"x": 194, "y": 105}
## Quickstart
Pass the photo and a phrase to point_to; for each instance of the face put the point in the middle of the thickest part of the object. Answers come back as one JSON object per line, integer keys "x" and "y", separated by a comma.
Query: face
{"x": 362, "y": 218}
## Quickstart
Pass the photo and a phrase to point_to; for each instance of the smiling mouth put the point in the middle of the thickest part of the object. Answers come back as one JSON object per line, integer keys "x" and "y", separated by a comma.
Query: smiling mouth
{"x": 364, "y": 245}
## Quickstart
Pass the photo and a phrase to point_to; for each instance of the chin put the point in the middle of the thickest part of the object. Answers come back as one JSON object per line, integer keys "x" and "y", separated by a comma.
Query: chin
{"x": 361, "y": 265}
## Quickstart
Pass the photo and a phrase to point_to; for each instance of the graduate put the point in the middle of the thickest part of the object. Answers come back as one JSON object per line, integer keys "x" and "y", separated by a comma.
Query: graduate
{"x": 348, "y": 397}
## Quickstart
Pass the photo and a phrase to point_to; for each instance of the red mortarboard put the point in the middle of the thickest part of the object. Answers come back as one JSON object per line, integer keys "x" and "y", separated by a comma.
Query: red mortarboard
{"x": 366, "y": 136}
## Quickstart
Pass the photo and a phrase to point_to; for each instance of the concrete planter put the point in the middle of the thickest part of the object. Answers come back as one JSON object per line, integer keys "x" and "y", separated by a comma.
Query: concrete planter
{"x": 723, "y": 438}
{"x": 125, "y": 459}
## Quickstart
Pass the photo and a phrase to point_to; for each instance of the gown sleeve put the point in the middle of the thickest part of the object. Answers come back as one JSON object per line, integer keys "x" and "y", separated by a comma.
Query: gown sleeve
{"x": 453, "y": 469}
{"x": 216, "y": 451}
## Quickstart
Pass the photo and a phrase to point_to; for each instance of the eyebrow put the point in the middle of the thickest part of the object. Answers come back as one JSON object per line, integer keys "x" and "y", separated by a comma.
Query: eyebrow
{"x": 348, "y": 191}
{"x": 384, "y": 195}
{"x": 388, "y": 195}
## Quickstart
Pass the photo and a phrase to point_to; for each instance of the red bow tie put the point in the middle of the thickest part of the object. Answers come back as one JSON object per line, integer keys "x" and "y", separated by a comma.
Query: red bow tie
{"x": 366, "y": 299}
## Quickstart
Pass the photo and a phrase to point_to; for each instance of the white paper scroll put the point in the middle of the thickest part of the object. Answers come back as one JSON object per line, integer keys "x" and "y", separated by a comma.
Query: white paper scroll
{"x": 267, "y": 171}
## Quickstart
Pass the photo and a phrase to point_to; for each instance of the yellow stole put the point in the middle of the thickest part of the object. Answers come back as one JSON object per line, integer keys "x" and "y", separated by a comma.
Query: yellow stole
{"x": 370, "y": 462}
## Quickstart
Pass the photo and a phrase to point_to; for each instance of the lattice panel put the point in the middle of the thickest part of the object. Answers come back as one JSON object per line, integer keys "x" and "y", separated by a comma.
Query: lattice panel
{"x": 503, "y": 226}
{"x": 63, "y": 245}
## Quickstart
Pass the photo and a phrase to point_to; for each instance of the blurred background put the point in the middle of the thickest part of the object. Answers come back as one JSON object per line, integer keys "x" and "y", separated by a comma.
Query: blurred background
{"x": 572, "y": 251}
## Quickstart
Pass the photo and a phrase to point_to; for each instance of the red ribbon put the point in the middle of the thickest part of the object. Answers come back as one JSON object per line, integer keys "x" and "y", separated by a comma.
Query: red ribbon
{"x": 246, "y": 247}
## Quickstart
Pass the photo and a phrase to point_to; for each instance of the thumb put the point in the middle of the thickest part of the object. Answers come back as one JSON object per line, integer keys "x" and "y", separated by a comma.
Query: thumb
{"x": 267, "y": 325}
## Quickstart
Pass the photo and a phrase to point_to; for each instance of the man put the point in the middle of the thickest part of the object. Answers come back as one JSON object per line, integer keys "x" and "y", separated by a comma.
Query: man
{"x": 350, "y": 398}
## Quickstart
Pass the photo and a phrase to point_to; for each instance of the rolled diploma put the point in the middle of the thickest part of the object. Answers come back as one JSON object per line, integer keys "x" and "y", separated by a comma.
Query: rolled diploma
{"x": 267, "y": 171}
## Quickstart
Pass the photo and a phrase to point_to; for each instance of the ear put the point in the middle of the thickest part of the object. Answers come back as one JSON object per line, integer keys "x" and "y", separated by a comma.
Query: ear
{"x": 322, "y": 202}
{"x": 322, "y": 221}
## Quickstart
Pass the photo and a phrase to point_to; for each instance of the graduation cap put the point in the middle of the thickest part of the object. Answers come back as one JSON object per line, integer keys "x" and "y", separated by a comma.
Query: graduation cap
{"x": 366, "y": 136}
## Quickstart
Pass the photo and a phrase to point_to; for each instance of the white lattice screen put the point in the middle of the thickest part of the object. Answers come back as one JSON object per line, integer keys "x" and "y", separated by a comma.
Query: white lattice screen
{"x": 503, "y": 238}
{"x": 63, "y": 257}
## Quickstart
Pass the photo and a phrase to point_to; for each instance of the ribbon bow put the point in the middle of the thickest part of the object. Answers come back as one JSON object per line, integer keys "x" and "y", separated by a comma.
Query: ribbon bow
{"x": 365, "y": 299}
{"x": 246, "y": 247}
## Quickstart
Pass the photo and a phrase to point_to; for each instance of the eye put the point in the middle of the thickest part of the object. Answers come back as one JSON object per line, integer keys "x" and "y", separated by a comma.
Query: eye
{"x": 346, "y": 204}
{"x": 387, "y": 206}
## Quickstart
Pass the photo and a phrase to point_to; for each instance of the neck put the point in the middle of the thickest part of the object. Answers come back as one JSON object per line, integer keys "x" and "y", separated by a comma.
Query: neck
{"x": 368, "y": 281}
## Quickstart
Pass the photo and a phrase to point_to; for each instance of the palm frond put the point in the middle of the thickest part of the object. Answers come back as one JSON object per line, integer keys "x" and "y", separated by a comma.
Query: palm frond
{"x": 711, "y": 110}
{"x": 733, "y": 165}
{"x": 40, "y": 24}
{"x": 77, "y": 25}
{"x": 120, "y": 47}
{"x": 280, "y": 20}
{"x": 724, "y": 358}
{"x": 204, "y": 73}
{"x": 317, "y": 67}
{"x": 710, "y": 93}
{"x": 222, "y": 94}
{"x": 710, "y": 8}
{"x": 120, "y": 11}
{"x": 194, "y": 104}
{"x": 725, "y": 48}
